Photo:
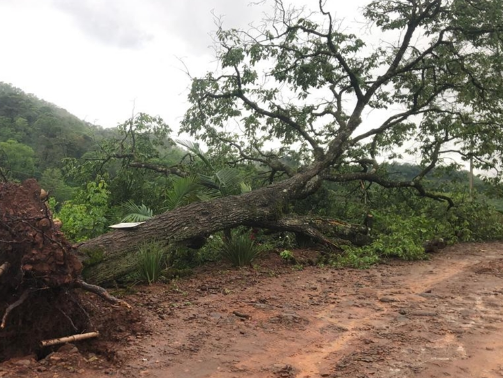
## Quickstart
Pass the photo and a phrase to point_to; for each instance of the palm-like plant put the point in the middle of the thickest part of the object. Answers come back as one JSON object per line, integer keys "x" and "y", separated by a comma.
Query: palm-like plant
{"x": 151, "y": 257}
{"x": 240, "y": 249}
{"x": 137, "y": 213}
{"x": 183, "y": 192}
{"x": 223, "y": 182}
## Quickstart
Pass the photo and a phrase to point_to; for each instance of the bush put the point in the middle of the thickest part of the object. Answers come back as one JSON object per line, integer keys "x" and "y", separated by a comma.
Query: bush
{"x": 476, "y": 221}
{"x": 241, "y": 249}
{"x": 87, "y": 216}
{"x": 354, "y": 257}
{"x": 401, "y": 231}
{"x": 151, "y": 261}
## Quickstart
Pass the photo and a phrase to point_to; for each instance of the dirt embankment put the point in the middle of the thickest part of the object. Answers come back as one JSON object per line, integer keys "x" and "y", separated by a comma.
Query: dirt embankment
{"x": 436, "y": 318}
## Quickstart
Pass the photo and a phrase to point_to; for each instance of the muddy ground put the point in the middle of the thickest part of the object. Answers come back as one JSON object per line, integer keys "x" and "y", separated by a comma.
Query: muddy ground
{"x": 437, "y": 318}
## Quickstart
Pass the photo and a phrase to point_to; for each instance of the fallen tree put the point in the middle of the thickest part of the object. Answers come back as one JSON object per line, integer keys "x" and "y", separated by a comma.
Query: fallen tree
{"x": 261, "y": 208}
{"x": 439, "y": 81}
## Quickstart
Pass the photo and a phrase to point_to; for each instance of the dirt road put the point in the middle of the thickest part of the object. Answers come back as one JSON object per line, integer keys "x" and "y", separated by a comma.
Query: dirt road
{"x": 436, "y": 318}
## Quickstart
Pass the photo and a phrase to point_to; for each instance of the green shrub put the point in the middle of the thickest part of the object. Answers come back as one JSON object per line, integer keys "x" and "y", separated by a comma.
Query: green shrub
{"x": 476, "y": 221}
{"x": 354, "y": 257}
{"x": 88, "y": 214}
{"x": 241, "y": 249}
{"x": 286, "y": 254}
{"x": 211, "y": 251}
{"x": 151, "y": 258}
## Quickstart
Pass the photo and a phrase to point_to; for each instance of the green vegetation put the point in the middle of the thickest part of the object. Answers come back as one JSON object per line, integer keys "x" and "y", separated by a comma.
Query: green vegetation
{"x": 87, "y": 215}
{"x": 286, "y": 255}
{"x": 303, "y": 93}
{"x": 240, "y": 249}
{"x": 17, "y": 158}
{"x": 151, "y": 258}
{"x": 36, "y": 135}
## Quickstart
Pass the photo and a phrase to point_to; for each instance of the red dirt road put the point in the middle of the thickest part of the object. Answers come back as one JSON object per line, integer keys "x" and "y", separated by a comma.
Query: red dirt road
{"x": 436, "y": 318}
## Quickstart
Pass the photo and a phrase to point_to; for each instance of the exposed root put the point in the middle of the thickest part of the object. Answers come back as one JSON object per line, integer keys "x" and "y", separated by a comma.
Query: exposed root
{"x": 4, "y": 267}
{"x": 68, "y": 318}
{"x": 98, "y": 290}
{"x": 20, "y": 301}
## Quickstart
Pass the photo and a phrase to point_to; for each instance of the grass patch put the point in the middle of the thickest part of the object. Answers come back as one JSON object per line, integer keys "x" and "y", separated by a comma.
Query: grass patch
{"x": 151, "y": 261}
{"x": 240, "y": 250}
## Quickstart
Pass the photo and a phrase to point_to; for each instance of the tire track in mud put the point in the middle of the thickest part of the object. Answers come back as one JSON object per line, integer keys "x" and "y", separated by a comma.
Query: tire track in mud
{"x": 363, "y": 320}
{"x": 425, "y": 319}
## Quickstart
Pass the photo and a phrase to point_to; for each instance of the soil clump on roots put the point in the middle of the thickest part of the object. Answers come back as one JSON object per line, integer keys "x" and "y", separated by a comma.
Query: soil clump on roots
{"x": 38, "y": 273}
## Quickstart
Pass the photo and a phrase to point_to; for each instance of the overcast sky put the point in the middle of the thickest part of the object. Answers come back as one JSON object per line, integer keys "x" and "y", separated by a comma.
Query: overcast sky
{"x": 96, "y": 58}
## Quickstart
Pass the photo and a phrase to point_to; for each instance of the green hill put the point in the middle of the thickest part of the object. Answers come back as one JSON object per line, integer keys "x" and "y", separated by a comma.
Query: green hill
{"x": 36, "y": 135}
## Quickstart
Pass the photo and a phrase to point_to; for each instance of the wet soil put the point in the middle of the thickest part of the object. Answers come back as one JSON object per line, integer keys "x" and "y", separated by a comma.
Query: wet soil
{"x": 437, "y": 318}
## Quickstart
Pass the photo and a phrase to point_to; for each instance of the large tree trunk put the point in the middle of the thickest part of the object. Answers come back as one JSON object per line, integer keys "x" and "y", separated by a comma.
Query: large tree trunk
{"x": 115, "y": 251}
{"x": 114, "y": 254}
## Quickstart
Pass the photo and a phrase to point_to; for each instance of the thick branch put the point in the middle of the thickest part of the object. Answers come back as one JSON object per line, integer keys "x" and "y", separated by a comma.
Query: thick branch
{"x": 329, "y": 232}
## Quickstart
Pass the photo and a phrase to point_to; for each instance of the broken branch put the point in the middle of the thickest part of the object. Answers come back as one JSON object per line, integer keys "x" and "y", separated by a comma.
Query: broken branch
{"x": 68, "y": 339}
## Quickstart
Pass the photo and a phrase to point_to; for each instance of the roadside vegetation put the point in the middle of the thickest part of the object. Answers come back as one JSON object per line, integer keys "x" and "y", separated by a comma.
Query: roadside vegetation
{"x": 335, "y": 175}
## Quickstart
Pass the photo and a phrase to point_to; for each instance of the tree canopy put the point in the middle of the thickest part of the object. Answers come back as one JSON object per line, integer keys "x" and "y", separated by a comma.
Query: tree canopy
{"x": 300, "y": 83}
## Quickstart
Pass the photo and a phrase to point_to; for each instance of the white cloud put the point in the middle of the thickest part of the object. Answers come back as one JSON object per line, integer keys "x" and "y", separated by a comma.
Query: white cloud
{"x": 109, "y": 22}
{"x": 96, "y": 58}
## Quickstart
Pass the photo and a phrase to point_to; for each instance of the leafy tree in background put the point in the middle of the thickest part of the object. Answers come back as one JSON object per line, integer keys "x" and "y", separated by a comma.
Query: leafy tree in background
{"x": 140, "y": 163}
{"x": 52, "y": 180}
{"x": 17, "y": 159}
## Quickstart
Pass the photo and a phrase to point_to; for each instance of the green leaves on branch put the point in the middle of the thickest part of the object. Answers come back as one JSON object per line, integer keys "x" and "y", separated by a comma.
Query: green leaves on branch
{"x": 87, "y": 215}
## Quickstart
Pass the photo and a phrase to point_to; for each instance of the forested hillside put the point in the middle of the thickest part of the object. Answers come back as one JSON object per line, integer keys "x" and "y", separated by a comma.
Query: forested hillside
{"x": 97, "y": 177}
{"x": 36, "y": 136}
